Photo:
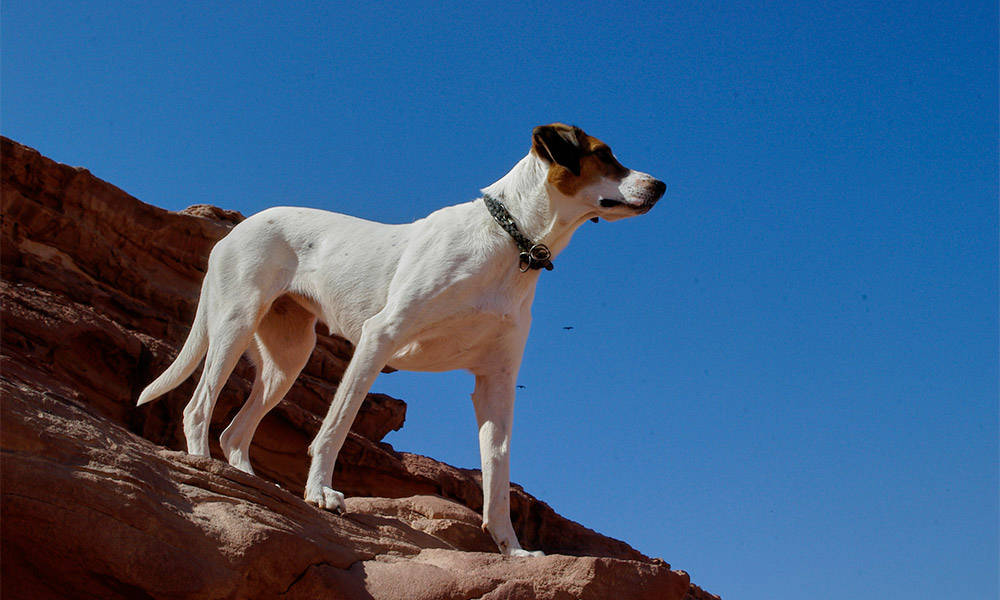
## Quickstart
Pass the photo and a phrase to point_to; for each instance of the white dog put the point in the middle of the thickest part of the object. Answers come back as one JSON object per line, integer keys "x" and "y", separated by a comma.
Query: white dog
{"x": 449, "y": 291}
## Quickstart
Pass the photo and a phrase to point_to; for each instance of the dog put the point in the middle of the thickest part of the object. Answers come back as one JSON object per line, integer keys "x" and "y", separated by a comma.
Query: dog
{"x": 450, "y": 291}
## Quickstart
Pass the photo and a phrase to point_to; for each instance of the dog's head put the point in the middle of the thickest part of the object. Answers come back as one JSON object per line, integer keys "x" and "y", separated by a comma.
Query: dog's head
{"x": 583, "y": 170}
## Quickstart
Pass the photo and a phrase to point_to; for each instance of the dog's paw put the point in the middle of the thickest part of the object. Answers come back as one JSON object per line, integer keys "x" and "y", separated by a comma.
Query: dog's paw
{"x": 520, "y": 552}
{"x": 327, "y": 499}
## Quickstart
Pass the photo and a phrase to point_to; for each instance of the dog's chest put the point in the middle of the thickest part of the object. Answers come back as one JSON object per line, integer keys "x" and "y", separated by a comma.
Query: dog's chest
{"x": 462, "y": 341}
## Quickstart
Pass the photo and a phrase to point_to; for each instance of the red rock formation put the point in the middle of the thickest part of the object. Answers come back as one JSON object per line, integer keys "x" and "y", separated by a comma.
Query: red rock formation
{"x": 98, "y": 291}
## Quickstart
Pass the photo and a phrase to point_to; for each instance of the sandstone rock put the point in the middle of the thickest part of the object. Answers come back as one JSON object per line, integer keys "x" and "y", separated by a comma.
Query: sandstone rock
{"x": 449, "y": 575}
{"x": 456, "y": 525}
{"x": 215, "y": 213}
{"x": 696, "y": 593}
{"x": 97, "y": 294}
{"x": 90, "y": 510}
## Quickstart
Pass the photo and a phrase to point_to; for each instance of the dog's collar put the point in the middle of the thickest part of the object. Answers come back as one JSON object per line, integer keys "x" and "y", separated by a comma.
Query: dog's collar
{"x": 533, "y": 255}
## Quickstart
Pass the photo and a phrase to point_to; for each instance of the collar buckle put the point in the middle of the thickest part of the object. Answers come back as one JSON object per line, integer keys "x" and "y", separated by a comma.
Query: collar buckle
{"x": 532, "y": 255}
{"x": 536, "y": 257}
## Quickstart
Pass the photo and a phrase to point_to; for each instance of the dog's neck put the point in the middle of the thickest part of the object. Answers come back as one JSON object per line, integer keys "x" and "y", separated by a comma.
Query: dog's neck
{"x": 529, "y": 198}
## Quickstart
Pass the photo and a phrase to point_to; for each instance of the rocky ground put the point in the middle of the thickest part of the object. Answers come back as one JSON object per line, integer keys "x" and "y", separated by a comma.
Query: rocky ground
{"x": 99, "y": 500}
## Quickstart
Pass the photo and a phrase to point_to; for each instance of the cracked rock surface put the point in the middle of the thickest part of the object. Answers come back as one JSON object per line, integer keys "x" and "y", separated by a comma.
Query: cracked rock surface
{"x": 100, "y": 501}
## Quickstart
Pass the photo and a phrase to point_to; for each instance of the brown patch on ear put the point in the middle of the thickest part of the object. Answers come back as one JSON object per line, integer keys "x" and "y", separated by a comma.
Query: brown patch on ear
{"x": 559, "y": 144}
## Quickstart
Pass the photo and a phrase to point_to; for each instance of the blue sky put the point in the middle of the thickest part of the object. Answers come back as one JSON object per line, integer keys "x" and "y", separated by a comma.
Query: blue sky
{"x": 782, "y": 380}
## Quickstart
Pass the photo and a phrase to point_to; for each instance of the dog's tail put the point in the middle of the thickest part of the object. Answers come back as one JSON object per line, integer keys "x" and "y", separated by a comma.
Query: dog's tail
{"x": 187, "y": 359}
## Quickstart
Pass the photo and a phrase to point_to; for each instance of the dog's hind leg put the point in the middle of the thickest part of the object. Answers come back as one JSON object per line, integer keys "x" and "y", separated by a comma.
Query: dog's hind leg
{"x": 282, "y": 344}
{"x": 373, "y": 351}
{"x": 227, "y": 339}
{"x": 230, "y": 448}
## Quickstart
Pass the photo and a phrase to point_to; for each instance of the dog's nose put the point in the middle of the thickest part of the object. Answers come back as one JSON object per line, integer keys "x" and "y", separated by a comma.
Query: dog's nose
{"x": 659, "y": 188}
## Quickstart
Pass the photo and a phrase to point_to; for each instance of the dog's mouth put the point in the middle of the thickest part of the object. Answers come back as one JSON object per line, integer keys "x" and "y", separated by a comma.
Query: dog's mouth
{"x": 642, "y": 208}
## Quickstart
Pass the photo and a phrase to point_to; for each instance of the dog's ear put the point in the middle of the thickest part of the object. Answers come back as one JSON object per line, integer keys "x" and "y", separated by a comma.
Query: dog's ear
{"x": 559, "y": 144}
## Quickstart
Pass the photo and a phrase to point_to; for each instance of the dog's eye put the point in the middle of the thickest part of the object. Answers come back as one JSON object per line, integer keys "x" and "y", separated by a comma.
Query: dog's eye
{"x": 604, "y": 155}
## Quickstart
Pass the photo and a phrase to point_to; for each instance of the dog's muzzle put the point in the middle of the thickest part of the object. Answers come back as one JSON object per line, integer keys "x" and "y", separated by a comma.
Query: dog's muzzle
{"x": 651, "y": 193}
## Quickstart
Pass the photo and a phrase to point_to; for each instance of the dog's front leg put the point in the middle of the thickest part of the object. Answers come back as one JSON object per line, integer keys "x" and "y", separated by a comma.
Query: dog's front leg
{"x": 373, "y": 351}
{"x": 494, "y": 402}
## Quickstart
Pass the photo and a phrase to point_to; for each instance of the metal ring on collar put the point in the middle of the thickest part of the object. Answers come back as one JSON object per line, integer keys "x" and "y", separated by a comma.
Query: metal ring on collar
{"x": 536, "y": 257}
